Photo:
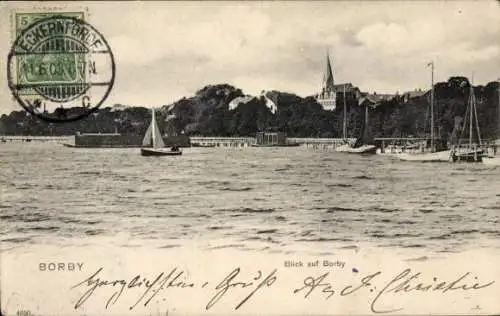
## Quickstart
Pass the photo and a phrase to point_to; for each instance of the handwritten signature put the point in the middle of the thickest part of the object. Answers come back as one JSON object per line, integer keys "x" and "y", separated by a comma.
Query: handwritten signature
{"x": 407, "y": 281}
{"x": 151, "y": 287}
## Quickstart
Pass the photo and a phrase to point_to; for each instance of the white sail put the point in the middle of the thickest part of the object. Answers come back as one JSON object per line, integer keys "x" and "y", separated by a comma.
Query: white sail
{"x": 146, "y": 141}
{"x": 153, "y": 135}
{"x": 157, "y": 139}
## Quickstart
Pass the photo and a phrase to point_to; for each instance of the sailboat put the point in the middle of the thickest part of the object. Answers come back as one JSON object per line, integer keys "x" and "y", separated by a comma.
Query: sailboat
{"x": 472, "y": 151}
{"x": 364, "y": 144}
{"x": 430, "y": 154}
{"x": 152, "y": 142}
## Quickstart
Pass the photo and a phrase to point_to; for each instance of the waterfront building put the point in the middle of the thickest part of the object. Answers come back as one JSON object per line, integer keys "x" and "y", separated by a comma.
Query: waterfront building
{"x": 270, "y": 138}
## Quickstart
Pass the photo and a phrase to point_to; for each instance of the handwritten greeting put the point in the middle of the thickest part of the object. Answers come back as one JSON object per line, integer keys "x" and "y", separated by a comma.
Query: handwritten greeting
{"x": 254, "y": 283}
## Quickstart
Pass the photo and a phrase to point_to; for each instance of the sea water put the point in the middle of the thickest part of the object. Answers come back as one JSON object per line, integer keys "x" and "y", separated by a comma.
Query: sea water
{"x": 275, "y": 199}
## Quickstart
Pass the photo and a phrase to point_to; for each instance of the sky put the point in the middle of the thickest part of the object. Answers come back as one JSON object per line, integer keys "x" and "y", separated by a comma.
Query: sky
{"x": 166, "y": 50}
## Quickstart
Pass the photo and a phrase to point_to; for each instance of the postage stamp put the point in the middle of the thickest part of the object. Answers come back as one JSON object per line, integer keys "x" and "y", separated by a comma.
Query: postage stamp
{"x": 60, "y": 67}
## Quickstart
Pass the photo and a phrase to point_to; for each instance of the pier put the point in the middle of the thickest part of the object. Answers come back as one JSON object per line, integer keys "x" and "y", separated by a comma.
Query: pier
{"x": 386, "y": 144}
{"x": 27, "y": 138}
{"x": 223, "y": 141}
{"x": 236, "y": 142}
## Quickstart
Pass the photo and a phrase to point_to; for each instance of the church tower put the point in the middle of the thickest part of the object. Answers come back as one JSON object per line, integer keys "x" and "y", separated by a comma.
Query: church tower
{"x": 327, "y": 97}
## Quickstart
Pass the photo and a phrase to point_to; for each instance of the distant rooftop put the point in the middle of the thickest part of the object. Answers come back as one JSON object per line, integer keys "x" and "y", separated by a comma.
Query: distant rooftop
{"x": 375, "y": 99}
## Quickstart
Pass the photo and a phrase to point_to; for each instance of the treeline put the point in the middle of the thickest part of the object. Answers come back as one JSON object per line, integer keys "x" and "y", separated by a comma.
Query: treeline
{"x": 207, "y": 113}
{"x": 397, "y": 118}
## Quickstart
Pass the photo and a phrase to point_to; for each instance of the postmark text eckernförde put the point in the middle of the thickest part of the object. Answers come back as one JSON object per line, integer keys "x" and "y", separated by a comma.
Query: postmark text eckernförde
{"x": 60, "y": 68}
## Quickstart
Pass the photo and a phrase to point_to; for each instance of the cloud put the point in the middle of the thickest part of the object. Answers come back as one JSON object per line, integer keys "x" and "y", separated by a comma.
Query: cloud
{"x": 389, "y": 37}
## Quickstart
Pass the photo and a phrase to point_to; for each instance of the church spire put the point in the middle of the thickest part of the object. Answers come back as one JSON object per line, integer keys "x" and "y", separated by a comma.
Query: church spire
{"x": 327, "y": 97}
{"x": 328, "y": 82}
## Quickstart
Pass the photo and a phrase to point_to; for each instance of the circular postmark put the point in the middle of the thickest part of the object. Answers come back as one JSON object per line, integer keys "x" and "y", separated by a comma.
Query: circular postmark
{"x": 60, "y": 69}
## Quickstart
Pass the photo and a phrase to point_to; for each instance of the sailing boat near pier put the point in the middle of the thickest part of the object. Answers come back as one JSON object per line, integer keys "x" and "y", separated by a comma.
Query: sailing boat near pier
{"x": 364, "y": 144}
{"x": 429, "y": 154}
{"x": 152, "y": 142}
{"x": 472, "y": 151}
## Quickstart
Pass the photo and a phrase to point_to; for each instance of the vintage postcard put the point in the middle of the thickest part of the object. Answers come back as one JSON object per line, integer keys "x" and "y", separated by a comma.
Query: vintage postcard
{"x": 250, "y": 158}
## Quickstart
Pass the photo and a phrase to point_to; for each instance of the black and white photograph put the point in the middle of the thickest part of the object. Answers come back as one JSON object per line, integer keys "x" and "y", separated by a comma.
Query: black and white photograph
{"x": 250, "y": 158}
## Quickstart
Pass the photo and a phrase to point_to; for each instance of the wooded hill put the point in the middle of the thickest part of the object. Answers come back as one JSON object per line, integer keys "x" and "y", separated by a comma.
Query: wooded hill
{"x": 207, "y": 113}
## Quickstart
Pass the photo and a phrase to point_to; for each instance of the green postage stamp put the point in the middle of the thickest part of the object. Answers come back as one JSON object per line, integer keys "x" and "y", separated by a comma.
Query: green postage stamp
{"x": 60, "y": 68}
{"x": 52, "y": 67}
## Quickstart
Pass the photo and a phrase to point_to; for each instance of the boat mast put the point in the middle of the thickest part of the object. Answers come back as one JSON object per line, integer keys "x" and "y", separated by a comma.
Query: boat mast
{"x": 474, "y": 102}
{"x": 153, "y": 128}
{"x": 345, "y": 117}
{"x": 471, "y": 114}
{"x": 498, "y": 109}
{"x": 432, "y": 105}
{"x": 367, "y": 137}
{"x": 366, "y": 115}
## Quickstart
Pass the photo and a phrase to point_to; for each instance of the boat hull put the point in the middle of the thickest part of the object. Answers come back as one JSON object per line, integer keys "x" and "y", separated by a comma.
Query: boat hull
{"x": 440, "y": 156}
{"x": 365, "y": 149}
{"x": 342, "y": 148}
{"x": 468, "y": 156}
{"x": 159, "y": 152}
